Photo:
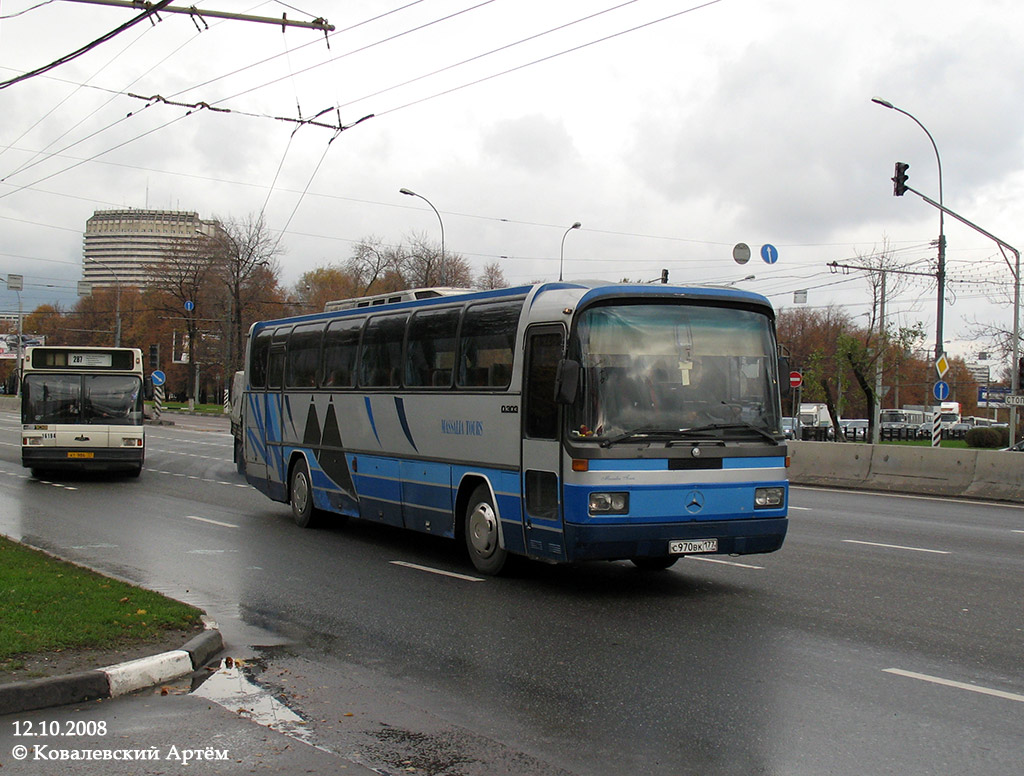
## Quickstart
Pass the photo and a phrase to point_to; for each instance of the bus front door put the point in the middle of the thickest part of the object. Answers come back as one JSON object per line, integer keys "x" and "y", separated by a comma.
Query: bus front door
{"x": 541, "y": 451}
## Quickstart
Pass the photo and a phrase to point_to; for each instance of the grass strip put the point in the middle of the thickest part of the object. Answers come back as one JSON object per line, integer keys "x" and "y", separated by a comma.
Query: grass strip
{"x": 49, "y": 605}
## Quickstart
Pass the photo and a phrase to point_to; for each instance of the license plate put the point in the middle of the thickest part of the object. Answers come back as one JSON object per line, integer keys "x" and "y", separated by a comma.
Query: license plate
{"x": 80, "y": 455}
{"x": 692, "y": 546}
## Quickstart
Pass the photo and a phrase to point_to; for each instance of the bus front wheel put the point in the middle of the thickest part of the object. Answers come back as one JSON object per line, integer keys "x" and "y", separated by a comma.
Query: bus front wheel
{"x": 301, "y": 496}
{"x": 481, "y": 531}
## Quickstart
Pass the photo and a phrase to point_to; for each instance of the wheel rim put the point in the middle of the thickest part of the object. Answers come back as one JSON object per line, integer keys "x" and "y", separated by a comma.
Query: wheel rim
{"x": 483, "y": 530}
{"x": 300, "y": 491}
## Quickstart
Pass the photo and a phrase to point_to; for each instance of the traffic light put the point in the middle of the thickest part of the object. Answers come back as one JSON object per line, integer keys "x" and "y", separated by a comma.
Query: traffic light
{"x": 1020, "y": 373}
{"x": 154, "y": 356}
{"x": 899, "y": 180}
{"x": 664, "y": 276}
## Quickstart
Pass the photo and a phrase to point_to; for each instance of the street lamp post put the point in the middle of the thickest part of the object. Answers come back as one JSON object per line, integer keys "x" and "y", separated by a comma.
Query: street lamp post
{"x": 410, "y": 193}
{"x": 561, "y": 252}
{"x": 940, "y": 273}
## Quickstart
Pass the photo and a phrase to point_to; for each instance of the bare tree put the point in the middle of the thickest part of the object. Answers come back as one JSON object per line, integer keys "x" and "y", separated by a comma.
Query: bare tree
{"x": 426, "y": 265}
{"x": 491, "y": 277}
{"x": 242, "y": 251}
{"x": 184, "y": 277}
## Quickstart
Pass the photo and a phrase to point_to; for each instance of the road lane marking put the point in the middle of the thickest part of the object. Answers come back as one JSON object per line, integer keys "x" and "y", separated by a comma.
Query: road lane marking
{"x": 430, "y": 570}
{"x": 801, "y": 509}
{"x": 898, "y": 547}
{"x": 211, "y": 522}
{"x": 1016, "y": 531}
{"x": 1011, "y": 696}
{"x": 723, "y": 562}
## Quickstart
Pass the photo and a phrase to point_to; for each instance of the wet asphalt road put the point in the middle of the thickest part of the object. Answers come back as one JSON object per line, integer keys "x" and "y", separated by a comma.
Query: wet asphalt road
{"x": 886, "y": 636}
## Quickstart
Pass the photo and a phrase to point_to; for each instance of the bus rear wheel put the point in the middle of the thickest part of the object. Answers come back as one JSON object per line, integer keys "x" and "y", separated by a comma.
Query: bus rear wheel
{"x": 301, "y": 496}
{"x": 481, "y": 533}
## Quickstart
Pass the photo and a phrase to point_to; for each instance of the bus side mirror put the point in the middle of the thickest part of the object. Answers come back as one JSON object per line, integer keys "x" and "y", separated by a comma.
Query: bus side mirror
{"x": 147, "y": 388}
{"x": 784, "y": 388}
{"x": 567, "y": 381}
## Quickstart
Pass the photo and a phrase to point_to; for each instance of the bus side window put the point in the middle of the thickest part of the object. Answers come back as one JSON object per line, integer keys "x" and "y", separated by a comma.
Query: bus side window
{"x": 303, "y": 356}
{"x": 341, "y": 343}
{"x": 259, "y": 357}
{"x": 540, "y": 409}
{"x": 430, "y": 348}
{"x": 486, "y": 344}
{"x": 380, "y": 358}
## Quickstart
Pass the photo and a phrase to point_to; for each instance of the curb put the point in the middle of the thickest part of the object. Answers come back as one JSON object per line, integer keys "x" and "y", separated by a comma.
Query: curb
{"x": 111, "y": 681}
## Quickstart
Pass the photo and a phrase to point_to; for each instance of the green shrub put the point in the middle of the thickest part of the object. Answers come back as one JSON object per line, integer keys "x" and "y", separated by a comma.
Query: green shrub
{"x": 988, "y": 438}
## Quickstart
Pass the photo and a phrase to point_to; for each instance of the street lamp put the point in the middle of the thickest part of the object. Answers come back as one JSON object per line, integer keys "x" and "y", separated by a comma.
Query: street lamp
{"x": 941, "y": 271}
{"x": 409, "y": 193}
{"x": 561, "y": 252}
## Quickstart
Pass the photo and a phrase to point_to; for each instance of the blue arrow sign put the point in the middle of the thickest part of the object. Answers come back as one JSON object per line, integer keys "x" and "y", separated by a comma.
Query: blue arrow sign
{"x": 159, "y": 378}
{"x": 190, "y": 305}
{"x": 941, "y": 390}
{"x": 769, "y": 253}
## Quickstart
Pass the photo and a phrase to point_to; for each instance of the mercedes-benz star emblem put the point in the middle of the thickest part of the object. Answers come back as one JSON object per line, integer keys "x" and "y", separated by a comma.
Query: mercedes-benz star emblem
{"x": 694, "y": 502}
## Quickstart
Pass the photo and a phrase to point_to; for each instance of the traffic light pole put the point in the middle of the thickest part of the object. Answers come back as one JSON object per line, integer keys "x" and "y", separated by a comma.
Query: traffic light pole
{"x": 1015, "y": 383}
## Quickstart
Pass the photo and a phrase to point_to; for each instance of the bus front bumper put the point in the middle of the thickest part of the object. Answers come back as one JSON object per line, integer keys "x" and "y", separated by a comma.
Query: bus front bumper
{"x": 85, "y": 459}
{"x": 616, "y": 542}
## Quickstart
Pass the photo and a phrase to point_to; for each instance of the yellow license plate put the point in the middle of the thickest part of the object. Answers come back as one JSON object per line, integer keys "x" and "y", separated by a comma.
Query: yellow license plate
{"x": 80, "y": 455}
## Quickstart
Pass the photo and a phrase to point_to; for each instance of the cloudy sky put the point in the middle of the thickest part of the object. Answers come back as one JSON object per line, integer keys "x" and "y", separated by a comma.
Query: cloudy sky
{"x": 671, "y": 129}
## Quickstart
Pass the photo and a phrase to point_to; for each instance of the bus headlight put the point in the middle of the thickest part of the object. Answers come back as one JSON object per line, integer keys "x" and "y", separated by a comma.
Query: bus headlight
{"x": 609, "y": 503}
{"x": 768, "y": 497}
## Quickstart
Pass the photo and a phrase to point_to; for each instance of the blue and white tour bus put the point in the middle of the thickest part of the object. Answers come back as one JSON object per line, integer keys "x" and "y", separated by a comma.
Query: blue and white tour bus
{"x": 561, "y": 421}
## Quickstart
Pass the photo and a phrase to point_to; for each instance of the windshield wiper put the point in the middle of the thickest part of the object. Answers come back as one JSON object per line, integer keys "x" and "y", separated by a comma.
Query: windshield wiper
{"x": 643, "y": 433}
{"x": 732, "y": 427}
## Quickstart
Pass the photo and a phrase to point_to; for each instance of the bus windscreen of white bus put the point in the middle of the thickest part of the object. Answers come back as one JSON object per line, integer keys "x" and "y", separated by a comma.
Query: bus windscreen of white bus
{"x": 73, "y": 398}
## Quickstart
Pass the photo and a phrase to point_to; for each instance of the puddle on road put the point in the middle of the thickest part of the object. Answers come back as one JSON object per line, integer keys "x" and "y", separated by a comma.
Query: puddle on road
{"x": 233, "y": 687}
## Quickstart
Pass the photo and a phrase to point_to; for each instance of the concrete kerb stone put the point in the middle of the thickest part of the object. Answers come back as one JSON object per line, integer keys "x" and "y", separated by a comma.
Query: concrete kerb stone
{"x": 923, "y": 469}
{"x": 111, "y": 681}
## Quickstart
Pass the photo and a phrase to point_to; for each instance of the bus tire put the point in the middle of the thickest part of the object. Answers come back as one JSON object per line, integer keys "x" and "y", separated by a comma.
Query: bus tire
{"x": 135, "y": 471}
{"x": 300, "y": 494}
{"x": 239, "y": 456}
{"x": 655, "y": 564}
{"x": 480, "y": 528}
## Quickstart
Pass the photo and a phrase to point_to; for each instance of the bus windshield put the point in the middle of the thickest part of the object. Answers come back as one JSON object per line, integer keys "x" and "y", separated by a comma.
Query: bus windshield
{"x": 114, "y": 400}
{"x": 664, "y": 370}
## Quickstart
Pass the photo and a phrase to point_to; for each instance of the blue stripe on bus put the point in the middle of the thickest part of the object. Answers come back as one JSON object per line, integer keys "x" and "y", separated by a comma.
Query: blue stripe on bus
{"x": 400, "y": 407}
{"x": 369, "y": 414}
{"x": 774, "y": 462}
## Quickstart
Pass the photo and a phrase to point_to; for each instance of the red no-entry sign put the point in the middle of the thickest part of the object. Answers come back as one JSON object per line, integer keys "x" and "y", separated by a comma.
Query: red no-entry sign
{"x": 795, "y": 379}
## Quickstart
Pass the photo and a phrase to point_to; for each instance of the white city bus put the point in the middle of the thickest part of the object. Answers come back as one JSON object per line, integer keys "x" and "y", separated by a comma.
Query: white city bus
{"x": 82, "y": 409}
{"x": 562, "y": 421}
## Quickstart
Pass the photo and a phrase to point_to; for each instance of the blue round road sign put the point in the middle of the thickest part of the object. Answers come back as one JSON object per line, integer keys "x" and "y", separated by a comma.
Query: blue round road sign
{"x": 941, "y": 390}
{"x": 190, "y": 305}
{"x": 158, "y": 377}
{"x": 769, "y": 253}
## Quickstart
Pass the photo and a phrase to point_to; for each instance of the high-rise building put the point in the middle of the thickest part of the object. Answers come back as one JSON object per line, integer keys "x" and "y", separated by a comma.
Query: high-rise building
{"x": 122, "y": 247}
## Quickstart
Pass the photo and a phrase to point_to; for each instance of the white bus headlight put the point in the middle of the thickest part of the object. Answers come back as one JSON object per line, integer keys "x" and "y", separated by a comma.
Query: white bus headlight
{"x": 768, "y": 497}
{"x": 609, "y": 503}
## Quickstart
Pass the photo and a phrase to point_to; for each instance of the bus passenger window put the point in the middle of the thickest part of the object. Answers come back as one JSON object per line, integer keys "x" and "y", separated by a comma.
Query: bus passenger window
{"x": 430, "y": 348}
{"x": 258, "y": 358}
{"x": 486, "y": 343}
{"x": 381, "y": 354}
{"x": 341, "y": 341}
{"x": 303, "y": 356}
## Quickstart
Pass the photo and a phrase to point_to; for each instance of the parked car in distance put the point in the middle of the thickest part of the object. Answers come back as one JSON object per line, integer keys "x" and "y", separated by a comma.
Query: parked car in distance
{"x": 1017, "y": 448}
{"x": 789, "y": 427}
